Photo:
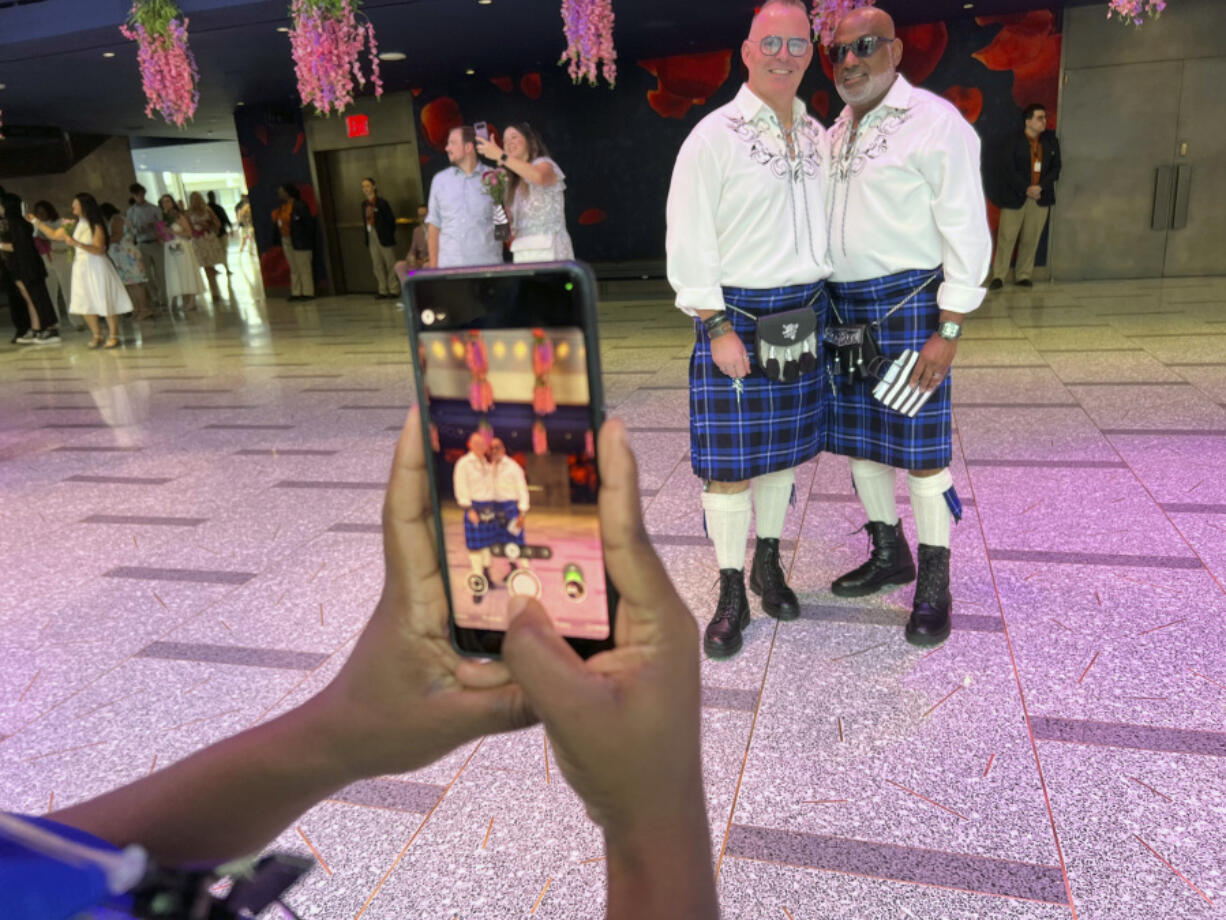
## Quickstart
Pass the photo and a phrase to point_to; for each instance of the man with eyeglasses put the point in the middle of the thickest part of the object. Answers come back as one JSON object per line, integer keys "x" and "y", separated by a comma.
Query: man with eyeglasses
{"x": 746, "y": 242}
{"x": 911, "y": 248}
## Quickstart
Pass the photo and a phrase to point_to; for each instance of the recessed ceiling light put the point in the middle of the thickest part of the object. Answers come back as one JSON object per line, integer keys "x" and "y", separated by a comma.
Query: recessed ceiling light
{"x": 469, "y": 72}
{"x": 392, "y": 56}
{"x": 1, "y": 86}
{"x": 968, "y": 6}
{"x": 108, "y": 54}
{"x": 240, "y": 103}
{"x": 282, "y": 28}
{"x": 484, "y": 2}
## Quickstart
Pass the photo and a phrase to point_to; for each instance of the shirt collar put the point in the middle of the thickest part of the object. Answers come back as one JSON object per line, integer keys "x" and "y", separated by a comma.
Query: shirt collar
{"x": 751, "y": 105}
{"x": 898, "y": 99}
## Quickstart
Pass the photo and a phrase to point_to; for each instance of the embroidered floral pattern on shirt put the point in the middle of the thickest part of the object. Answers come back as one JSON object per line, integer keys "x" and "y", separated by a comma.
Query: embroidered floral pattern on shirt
{"x": 850, "y": 160}
{"x": 806, "y": 166}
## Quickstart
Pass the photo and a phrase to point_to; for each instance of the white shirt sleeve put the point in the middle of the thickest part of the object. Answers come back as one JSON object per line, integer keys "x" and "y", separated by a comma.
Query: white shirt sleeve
{"x": 692, "y": 243}
{"x": 463, "y": 494}
{"x": 950, "y": 163}
{"x": 521, "y": 483}
{"x": 432, "y": 206}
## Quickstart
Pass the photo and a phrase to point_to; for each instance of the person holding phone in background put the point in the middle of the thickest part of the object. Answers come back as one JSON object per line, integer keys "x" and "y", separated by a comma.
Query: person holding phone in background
{"x": 906, "y": 218}
{"x": 625, "y": 725}
{"x": 536, "y": 200}
{"x": 745, "y": 241}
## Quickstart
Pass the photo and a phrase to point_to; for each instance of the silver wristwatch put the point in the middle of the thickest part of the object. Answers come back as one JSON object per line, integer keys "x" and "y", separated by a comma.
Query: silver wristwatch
{"x": 950, "y": 332}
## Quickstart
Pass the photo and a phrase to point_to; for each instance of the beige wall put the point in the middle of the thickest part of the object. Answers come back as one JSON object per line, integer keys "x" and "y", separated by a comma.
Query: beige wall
{"x": 106, "y": 174}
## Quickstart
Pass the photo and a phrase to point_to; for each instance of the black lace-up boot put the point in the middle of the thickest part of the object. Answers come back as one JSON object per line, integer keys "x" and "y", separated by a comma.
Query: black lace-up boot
{"x": 767, "y": 580}
{"x": 929, "y": 623}
{"x": 890, "y": 563}
{"x": 723, "y": 636}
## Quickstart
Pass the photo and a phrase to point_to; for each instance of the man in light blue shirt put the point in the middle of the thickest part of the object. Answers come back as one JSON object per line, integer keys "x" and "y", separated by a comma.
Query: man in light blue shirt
{"x": 460, "y": 225}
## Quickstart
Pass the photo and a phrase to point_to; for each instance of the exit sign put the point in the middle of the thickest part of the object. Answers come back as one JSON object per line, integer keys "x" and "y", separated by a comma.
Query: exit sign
{"x": 358, "y": 125}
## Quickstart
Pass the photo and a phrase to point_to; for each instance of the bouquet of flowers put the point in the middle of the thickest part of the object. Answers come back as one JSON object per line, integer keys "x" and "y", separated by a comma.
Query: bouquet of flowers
{"x": 494, "y": 184}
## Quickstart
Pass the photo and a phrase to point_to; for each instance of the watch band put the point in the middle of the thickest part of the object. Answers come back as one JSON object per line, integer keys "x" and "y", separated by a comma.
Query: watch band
{"x": 503, "y": 158}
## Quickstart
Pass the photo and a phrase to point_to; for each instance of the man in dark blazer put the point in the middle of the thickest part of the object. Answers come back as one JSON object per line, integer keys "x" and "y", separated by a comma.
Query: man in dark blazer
{"x": 380, "y": 224}
{"x": 1024, "y": 186}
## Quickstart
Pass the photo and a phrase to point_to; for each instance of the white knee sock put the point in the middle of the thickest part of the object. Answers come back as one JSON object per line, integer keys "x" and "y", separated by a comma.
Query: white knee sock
{"x": 771, "y": 495}
{"x": 474, "y": 561}
{"x": 728, "y": 526}
{"x": 875, "y": 486}
{"x": 487, "y": 557}
{"x": 932, "y": 515}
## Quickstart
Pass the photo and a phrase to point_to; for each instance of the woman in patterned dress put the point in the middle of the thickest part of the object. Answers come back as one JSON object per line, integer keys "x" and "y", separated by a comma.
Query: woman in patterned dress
{"x": 125, "y": 255}
{"x": 205, "y": 240}
{"x": 535, "y": 195}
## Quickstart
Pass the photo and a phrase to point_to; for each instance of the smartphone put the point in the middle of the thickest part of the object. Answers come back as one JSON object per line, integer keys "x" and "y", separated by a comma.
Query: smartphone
{"x": 507, "y": 365}
{"x": 482, "y": 130}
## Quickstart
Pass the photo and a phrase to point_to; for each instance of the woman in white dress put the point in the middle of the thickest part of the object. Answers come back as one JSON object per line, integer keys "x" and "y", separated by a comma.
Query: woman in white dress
{"x": 182, "y": 266}
{"x": 536, "y": 197}
{"x": 96, "y": 288}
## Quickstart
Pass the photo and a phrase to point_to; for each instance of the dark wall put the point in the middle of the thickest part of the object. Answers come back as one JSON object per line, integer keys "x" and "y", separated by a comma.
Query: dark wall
{"x": 617, "y": 146}
{"x": 273, "y": 146}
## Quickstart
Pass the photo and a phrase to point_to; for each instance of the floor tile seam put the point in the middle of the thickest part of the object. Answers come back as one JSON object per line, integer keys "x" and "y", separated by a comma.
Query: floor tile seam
{"x": 899, "y": 846}
{"x": 425, "y": 819}
{"x": 895, "y": 881}
{"x": 1034, "y": 747}
{"x": 1167, "y": 514}
{"x": 132, "y": 657}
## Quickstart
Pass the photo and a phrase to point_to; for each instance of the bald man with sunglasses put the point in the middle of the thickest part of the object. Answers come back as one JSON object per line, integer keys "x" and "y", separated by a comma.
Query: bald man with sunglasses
{"x": 910, "y": 249}
{"x": 747, "y": 251}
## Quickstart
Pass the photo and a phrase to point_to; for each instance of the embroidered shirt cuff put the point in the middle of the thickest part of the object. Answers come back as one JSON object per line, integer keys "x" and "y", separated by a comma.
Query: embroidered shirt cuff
{"x": 959, "y": 298}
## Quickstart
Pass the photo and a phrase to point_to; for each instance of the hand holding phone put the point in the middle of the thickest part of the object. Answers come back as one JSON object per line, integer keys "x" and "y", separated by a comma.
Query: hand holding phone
{"x": 482, "y": 130}
{"x": 626, "y": 723}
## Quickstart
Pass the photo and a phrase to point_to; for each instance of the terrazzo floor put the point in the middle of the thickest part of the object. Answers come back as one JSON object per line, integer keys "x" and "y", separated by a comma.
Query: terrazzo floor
{"x": 188, "y": 527}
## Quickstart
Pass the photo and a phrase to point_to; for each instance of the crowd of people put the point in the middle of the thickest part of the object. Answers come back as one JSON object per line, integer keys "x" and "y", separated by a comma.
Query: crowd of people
{"x": 101, "y": 263}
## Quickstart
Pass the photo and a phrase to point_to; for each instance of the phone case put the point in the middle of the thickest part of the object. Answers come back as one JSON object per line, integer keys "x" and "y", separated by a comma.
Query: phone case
{"x": 580, "y": 275}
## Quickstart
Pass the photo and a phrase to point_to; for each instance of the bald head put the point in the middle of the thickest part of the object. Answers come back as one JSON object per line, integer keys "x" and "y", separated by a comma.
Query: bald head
{"x": 780, "y": 28}
{"x": 866, "y": 53}
{"x": 776, "y": 5}
{"x": 867, "y": 20}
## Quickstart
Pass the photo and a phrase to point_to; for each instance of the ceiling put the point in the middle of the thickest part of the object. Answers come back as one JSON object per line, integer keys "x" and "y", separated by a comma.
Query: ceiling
{"x": 54, "y": 71}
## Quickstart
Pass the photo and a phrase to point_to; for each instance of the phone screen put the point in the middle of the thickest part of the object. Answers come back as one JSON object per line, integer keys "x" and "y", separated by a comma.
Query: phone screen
{"x": 482, "y": 130}
{"x": 507, "y": 362}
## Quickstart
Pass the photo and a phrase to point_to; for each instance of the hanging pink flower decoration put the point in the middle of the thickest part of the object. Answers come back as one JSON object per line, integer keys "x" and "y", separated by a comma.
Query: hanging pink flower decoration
{"x": 327, "y": 40}
{"x": 1, "y": 124}
{"x": 480, "y": 391}
{"x": 543, "y": 402}
{"x": 540, "y": 441}
{"x": 588, "y": 27}
{"x": 827, "y": 13}
{"x": 1135, "y": 10}
{"x": 167, "y": 66}
{"x": 589, "y": 444}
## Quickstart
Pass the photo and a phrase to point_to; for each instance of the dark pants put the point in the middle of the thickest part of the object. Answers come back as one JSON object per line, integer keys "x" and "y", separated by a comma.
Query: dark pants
{"x": 37, "y": 288}
{"x": 17, "y": 304}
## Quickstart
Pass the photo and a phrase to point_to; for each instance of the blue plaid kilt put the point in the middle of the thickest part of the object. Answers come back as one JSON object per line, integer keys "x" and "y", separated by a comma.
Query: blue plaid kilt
{"x": 859, "y": 426}
{"x": 486, "y": 532}
{"x": 505, "y": 513}
{"x": 770, "y": 426}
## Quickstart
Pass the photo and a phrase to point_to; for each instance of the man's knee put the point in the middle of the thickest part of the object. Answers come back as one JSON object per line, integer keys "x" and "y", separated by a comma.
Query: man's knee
{"x": 924, "y": 474}
{"x": 726, "y": 488}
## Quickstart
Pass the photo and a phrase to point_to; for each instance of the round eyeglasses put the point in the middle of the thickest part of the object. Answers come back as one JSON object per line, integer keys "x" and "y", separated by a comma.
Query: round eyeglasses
{"x": 772, "y": 44}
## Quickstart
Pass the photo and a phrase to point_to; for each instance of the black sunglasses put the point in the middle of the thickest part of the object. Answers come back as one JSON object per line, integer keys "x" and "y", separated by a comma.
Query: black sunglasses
{"x": 863, "y": 47}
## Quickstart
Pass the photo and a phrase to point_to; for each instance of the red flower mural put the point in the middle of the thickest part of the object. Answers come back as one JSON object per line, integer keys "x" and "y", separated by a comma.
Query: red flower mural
{"x": 968, "y": 99}
{"x": 923, "y": 46}
{"x": 530, "y": 85}
{"x": 506, "y": 84}
{"x": 592, "y": 216}
{"x": 819, "y": 103}
{"x": 686, "y": 80}
{"x": 438, "y": 117}
{"x": 298, "y": 142}
{"x": 1029, "y": 46}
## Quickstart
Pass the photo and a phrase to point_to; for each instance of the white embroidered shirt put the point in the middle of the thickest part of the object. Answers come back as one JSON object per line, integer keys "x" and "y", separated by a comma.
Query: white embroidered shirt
{"x": 745, "y": 207}
{"x": 905, "y": 193}
{"x": 472, "y": 480}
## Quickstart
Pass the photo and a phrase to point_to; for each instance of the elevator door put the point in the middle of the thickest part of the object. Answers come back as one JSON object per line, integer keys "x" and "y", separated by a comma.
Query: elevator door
{"x": 1198, "y": 215}
{"x": 1144, "y": 172}
{"x": 341, "y": 173}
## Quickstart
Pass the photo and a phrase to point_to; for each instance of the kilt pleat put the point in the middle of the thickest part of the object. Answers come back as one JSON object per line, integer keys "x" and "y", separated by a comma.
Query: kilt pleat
{"x": 861, "y": 427}
{"x": 486, "y": 532}
{"x": 763, "y": 426}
